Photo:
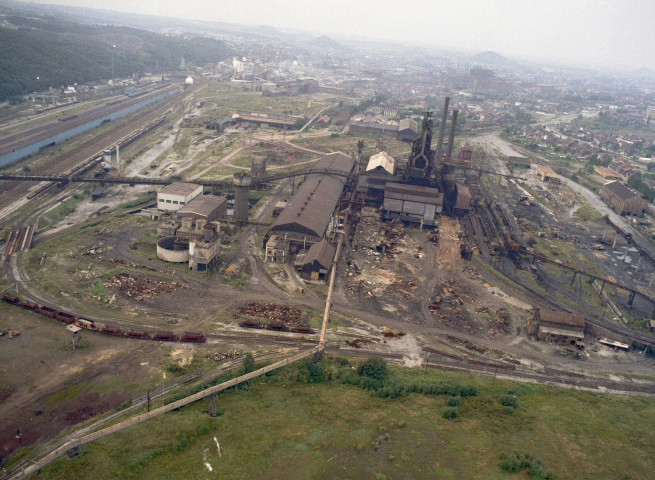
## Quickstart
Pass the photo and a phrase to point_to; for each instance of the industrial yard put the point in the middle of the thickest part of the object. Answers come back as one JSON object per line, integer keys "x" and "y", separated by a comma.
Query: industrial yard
{"x": 207, "y": 238}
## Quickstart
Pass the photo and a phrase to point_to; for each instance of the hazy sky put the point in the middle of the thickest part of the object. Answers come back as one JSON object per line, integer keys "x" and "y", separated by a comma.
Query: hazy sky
{"x": 593, "y": 32}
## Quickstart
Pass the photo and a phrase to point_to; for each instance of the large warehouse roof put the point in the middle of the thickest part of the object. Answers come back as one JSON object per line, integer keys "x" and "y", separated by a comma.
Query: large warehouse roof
{"x": 310, "y": 209}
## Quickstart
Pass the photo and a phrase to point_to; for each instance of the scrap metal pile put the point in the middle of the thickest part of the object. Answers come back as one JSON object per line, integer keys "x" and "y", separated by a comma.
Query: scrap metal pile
{"x": 139, "y": 287}
{"x": 9, "y": 333}
{"x": 218, "y": 356}
{"x": 272, "y": 312}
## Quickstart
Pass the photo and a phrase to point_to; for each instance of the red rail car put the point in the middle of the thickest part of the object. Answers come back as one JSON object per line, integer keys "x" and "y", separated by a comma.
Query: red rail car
{"x": 278, "y": 326}
{"x": 193, "y": 337}
{"x": 29, "y": 306}
{"x": 109, "y": 330}
{"x": 66, "y": 317}
{"x": 9, "y": 298}
{"x": 251, "y": 324}
{"x": 137, "y": 334}
{"x": 47, "y": 311}
{"x": 165, "y": 336}
{"x": 303, "y": 329}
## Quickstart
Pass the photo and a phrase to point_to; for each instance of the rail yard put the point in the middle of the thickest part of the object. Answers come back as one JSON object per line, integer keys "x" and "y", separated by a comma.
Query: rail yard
{"x": 423, "y": 255}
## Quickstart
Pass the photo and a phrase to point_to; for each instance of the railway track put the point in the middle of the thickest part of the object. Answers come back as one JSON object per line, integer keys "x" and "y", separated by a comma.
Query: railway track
{"x": 86, "y": 150}
{"x": 20, "y": 239}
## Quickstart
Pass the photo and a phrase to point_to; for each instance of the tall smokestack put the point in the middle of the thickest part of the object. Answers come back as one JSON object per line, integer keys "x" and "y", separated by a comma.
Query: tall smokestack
{"x": 442, "y": 129}
{"x": 451, "y": 137}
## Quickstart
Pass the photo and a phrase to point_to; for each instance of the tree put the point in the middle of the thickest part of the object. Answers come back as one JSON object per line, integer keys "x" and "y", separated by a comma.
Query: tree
{"x": 374, "y": 367}
{"x": 248, "y": 363}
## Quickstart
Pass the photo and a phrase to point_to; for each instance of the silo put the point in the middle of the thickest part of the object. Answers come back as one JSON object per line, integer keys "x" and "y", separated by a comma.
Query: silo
{"x": 241, "y": 182}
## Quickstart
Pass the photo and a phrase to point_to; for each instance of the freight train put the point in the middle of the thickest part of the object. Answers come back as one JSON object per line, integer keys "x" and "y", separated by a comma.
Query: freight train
{"x": 277, "y": 326}
{"x": 163, "y": 336}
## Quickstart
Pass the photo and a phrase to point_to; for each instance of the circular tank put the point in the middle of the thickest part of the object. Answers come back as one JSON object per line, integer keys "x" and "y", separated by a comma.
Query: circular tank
{"x": 171, "y": 251}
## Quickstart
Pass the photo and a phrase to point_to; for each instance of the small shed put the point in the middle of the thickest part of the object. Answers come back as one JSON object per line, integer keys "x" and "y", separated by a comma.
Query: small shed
{"x": 546, "y": 173}
{"x": 317, "y": 261}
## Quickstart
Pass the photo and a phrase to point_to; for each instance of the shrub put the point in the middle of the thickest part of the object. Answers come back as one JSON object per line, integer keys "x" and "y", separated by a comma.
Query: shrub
{"x": 248, "y": 363}
{"x": 173, "y": 367}
{"x": 509, "y": 401}
{"x": 374, "y": 367}
{"x": 454, "y": 401}
{"x": 316, "y": 371}
{"x": 515, "y": 462}
{"x": 449, "y": 412}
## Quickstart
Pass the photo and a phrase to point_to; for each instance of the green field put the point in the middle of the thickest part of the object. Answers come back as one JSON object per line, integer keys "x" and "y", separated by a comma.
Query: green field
{"x": 283, "y": 427}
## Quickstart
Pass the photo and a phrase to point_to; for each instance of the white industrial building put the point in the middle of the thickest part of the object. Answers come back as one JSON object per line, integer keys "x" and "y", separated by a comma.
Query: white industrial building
{"x": 174, "y": 196}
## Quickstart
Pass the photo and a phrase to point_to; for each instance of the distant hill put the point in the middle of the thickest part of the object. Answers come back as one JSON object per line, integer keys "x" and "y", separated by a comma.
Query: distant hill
{"x": 268, "y": 31}
{"x": 43, "y": 51}
{"x": 327, "y": 43}
{"x": 490, "y": 58}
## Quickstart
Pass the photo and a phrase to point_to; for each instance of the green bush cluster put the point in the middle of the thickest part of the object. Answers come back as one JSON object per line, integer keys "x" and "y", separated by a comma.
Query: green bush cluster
{"x": 510, "y": 402}
{"x": 449, "y": 412}
{"x": 373, "y": 375}
{"x": 515, "y": 462}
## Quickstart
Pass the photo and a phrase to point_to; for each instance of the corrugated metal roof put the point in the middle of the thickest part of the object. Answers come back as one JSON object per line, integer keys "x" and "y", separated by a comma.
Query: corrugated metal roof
{"x": 180, "y": 188}
{"x": 463, "y": 200}
{"x": 310, "y": 209}
{"x": 384, "y": 160}
{"x": 408, "y": 124}
{"x": 321, "y": 252}
{"x": 413, "y": 193}
{"x": 561, "y": 318}
{"x": 202, "y": 205}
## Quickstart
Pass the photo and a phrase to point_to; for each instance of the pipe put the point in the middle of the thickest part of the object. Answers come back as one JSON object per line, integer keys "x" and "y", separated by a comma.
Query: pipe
{"x": 451, "y": 136}
{"x": 442, "y": 129}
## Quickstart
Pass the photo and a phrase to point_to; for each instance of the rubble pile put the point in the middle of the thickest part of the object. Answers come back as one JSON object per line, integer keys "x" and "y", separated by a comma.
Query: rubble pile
{"x": 94, "y": 250}
{"x": 357, "y": 343}
{"x": 139, "y": 287}
{"x": 498, "y": 320}
{"x": 272, "y": 312}
{"x": 219, "y": 356}
{"x": 134, "y": 265}
{"x": 391, "y": 334}
{"x": 386, "y": 265}
{"x": 233, "y": 270}
{"x": 466, "y": 344}
{"x": 9, "y": 333}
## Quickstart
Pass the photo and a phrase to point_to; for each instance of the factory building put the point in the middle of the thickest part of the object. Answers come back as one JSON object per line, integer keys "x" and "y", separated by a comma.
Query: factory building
{"x": 309, "y": 215}
{"x": 205, "y": 207}
{"x": 558, "y": 327}
{"x": 411, "y": 203}
{"x": 264, "y": 118}
{"x": 622, "y": 199}
{"x": 194, "y": 236}
{"x": 381, "y": 169}
{"x": 174, "y": 196}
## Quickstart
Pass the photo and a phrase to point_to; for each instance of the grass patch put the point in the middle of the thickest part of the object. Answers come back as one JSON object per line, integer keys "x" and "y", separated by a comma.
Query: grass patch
{"x": 285, "y": 426}
{"x": 61, "y": 211}
{"x": 587, "y": 213}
